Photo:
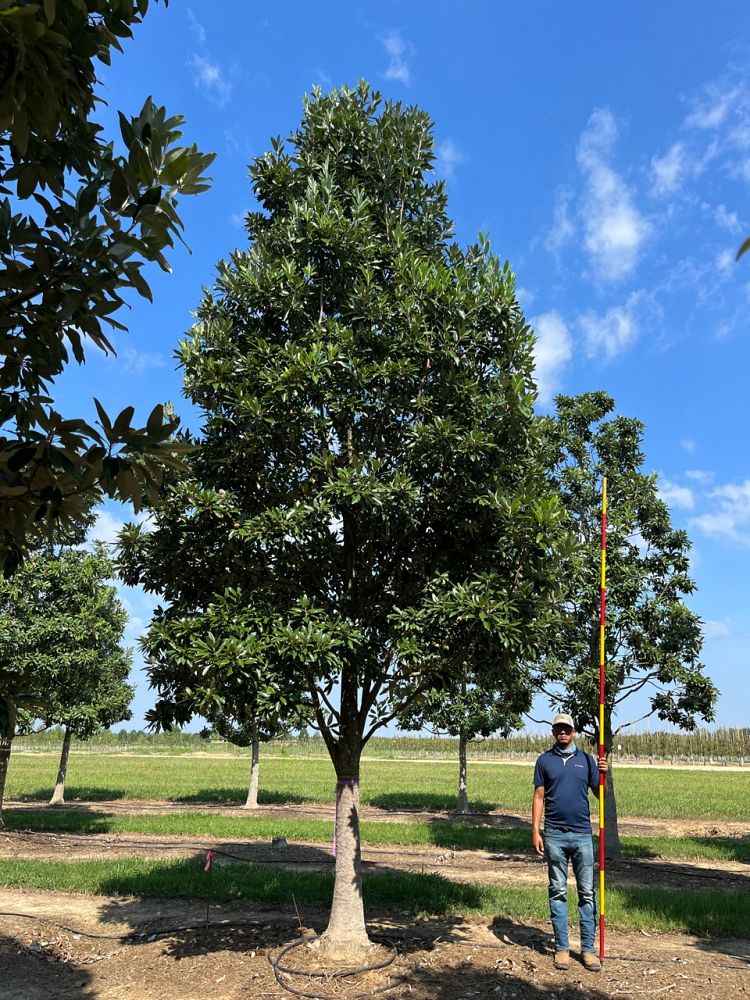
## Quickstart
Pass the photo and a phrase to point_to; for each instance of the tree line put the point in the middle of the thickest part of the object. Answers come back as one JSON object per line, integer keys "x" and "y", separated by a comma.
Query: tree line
{"x": 373, "y": 523}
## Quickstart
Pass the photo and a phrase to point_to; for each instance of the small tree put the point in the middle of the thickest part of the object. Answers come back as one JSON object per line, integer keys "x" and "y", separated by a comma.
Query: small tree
{"x": 78, "y": 221}
{"x": 653, "y": 640}
{"x": 61, "y": 625}
{"x": 469, "y": 711}
{"x": 249, "y": 706}
{"x": 369, "y": 486}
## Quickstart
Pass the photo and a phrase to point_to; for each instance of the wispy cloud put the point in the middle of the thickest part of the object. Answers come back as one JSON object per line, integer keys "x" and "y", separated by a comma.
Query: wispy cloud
{"x": 669, "y": 170}
{"x": 727, "y": 220}
{"x": 196, "y": 27}
{"x": 105, "y": 528}
{"x": 713, "y": 105}
{"x": 211, "y": 79}
{"x": 447, "y": 157}
{"x": 716, "y": 629}
{"x": 136, "y": 362}
{"x": 675, "y": 496}
{"x": 730, "y": 518}
{"x": 689, "y": 445}
{"x": 613, "y": 332}
{"x": 701, "y": 476}
{"x": 552, "y": 351}
{"x": 397, "y": 49}
{"x": 614, "y": 229}
{"x": 563, "y": 226}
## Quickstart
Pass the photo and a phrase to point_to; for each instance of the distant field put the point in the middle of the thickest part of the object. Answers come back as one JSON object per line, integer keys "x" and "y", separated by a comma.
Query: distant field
{"x": 715, "y": 795}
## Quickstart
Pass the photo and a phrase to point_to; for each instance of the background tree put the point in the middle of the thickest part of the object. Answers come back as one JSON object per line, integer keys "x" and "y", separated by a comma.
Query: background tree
{"x": 78, "y": 220}
{"x": 61, "y": 625}
{"x": 249, "y": 704}
{"x": 470, "y": 711}
{"x": 368, "y": 467}
{"x": 653, "y": 639}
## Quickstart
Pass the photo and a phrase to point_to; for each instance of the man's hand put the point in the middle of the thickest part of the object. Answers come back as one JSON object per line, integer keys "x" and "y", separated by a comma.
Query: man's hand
{"x": 603, "y": 765}
{"x": 536, "y": 839}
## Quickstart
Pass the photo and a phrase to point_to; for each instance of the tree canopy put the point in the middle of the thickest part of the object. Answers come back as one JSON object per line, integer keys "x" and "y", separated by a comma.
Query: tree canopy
{"x": 653, "y": 639}
{"x": 79, "y": 218}
{"x": 368, "y": 491}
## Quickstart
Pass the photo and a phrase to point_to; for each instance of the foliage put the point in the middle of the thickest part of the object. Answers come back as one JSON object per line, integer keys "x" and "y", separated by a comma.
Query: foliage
{"x": 78, "y": 220}
{"x": 653, "y": 639}
{"x": 61, "y": 625}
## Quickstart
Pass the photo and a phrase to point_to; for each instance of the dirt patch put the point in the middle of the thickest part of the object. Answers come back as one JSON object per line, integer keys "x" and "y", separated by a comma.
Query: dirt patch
{"x": 175, "y": 955}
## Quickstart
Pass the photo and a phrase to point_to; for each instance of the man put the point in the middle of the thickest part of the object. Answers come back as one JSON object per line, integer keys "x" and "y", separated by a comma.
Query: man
{"x": 562, "y": 779}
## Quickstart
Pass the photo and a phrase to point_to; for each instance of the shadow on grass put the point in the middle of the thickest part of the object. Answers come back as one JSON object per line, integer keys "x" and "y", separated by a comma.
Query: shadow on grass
{"x": 233, "y": 795}
{"x": 421, "y": 802}
{"x": 731, "y": 848}
{"x": 74, "y": 793}
{"x": 27, "y": 975}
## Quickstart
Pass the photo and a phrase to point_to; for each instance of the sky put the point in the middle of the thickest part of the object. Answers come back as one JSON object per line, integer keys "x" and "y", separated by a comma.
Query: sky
{"x": 604, "y": 149}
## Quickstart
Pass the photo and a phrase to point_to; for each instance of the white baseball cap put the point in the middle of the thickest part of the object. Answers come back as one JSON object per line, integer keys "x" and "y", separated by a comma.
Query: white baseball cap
{"x": 562, "y": 719}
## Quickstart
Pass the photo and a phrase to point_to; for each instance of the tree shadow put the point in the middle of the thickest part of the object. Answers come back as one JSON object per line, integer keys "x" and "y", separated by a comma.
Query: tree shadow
{"x": 26, "y": 974}
{"x": 737, "y": 848}
{"x": 73, "y": 793}
{"x": 69, "y": 818}
{"x": 422, "y": 802}
{"x": 232, "y": 795}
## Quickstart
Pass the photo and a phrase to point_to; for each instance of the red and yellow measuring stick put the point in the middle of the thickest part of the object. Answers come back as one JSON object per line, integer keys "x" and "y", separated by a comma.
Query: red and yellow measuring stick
{"x": 602, "y": 617}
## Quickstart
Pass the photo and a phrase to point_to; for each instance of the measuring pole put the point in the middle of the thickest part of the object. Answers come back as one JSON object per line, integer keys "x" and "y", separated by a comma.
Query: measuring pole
{"x": 602, "y": 616}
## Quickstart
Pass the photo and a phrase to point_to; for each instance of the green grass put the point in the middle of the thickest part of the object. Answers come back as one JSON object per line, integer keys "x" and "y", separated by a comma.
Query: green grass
{"x": 456, "y": 836}
{"x": 714, "y": 795}
{"x": 693, "y": 912}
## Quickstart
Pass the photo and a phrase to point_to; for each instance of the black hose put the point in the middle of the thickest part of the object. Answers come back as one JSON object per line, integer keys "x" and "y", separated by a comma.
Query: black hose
{"x": 280, "y": 971}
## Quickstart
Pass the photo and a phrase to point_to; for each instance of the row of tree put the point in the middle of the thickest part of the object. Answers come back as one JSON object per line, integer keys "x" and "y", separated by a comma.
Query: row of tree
{"x": 373, "y": 524}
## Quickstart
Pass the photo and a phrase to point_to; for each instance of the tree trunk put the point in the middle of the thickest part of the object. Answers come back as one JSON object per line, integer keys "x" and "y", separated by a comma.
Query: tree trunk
{"x": 252, "y": 792}
{"x": 346, "y": 937}
{"x": 58, "y": 796}
{"x": 5, "y": 746}
{"x": 463, "y": 795}
{"x": 612, "y": 848}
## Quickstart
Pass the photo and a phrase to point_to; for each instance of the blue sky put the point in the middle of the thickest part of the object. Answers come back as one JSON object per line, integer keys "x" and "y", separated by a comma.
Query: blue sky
{"x": 604, "y": 148}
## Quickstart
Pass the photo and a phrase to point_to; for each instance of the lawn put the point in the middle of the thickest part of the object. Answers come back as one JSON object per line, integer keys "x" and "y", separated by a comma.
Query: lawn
{"x": 413, "y": 784}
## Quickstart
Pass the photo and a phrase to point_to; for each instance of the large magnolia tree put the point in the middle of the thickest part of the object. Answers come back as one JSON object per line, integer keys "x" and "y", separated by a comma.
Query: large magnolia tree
{"x": 369, "y": 490}
{"x": 80, "y": 216}
{"x": 653, "y": 638}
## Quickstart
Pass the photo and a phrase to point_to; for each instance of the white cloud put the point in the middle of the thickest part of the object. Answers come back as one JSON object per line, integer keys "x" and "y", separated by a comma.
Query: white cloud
{"x": 210, "y": 79}
{"x": 447, "y": 157}
{"x": 105, "y": 528}
{"x": 715, "y": 629}
{"x": 615, "y": 230}
{"x": 689, "y": 445}
{"x": 137, "y": 362}
{"x": 669, "y": 170}
{"x": 397, "y": 49}
{"x": 725, "y": 263}
{"x": 701, "y": 476}
{"x": 727, "y": 220}
{"x": 197, "y": 28}
{"x": 730, "y": 520}
{"x": 552, "y": 351}
{"x": 618, "y": 328}
{"x": 713, "y": 107}
{"x": 675, "y": 496}
{"x": 563, "y": 227}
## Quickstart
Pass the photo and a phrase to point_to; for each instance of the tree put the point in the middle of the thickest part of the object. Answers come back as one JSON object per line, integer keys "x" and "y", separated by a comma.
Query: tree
{"x": 653, "y": 639}
{"x": 78, "y": 221}
{"x": 370, "y": 485}
{"x": 61, "y": 625}
{"x": 470, "y": 711}
{"x": 249, "y": 704}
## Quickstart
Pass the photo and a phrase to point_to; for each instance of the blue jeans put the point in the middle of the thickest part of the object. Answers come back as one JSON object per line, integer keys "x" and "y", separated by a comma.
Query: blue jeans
{"x": 561, "y": 848}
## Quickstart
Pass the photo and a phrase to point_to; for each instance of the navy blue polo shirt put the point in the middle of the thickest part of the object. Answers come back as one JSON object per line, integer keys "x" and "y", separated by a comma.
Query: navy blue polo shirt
{"x": 566, "y": 782}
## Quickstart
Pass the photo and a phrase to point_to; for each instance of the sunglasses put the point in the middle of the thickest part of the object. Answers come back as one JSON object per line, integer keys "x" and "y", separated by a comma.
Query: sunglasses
{"x": 562, "y": 729}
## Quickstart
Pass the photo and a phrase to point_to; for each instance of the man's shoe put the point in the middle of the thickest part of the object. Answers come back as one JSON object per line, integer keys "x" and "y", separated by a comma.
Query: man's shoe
{"x": 591, "y": 961}
{"x": 562, "y": 960}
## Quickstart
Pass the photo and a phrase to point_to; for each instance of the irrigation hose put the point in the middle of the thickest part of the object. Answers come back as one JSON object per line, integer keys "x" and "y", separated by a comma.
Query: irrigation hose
{"x": 280, "y": 971}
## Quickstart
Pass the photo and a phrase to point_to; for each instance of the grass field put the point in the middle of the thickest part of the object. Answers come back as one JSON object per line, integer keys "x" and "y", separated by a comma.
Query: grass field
{"x": 693, "y": 912}
{"x": 454, "y": 836}
{"x": 714, "y": 795}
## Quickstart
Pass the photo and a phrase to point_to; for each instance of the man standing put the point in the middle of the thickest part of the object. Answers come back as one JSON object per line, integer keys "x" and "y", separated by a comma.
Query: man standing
{"x": 562, "y": 779}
